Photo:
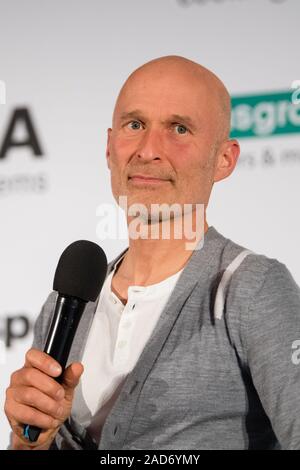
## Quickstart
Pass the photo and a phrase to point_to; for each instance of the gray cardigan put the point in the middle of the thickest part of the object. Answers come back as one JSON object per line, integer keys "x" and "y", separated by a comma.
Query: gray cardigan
{"x": 217, "y": 371}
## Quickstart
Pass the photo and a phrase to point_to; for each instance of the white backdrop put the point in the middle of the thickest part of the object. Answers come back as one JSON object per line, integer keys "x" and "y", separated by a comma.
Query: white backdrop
{"x": 64, "y": 63}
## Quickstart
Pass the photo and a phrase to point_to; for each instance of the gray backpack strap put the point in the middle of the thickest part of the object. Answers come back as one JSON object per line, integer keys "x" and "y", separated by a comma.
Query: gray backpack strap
{"x": 223, "y": 285}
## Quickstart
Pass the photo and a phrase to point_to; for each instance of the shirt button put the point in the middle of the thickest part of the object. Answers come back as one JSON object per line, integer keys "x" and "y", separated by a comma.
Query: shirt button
{"x": 121, "y": 344}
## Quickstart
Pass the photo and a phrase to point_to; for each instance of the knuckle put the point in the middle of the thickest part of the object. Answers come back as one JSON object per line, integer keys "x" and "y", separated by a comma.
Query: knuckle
{"x": 14, "y": 376}
{"x": 49, "y": 407}
{"x": 26, "y": 373}
{"x": 28, "y": 396}
{"x": 58, "y": 392}
{"x": 49, "y": 387}
{"x": 8, "y": 393}
{"x": 31, "y": 416}
{"x": 28, "y": 415}
{"x": 7, "y": 408}
{"x": 55, "y": 423}
{"x": 29, "y": 355}
{"x": 59, "y": 412}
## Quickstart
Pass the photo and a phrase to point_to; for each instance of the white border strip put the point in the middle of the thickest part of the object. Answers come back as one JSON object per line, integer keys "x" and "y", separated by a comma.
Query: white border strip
{"x": 220, "y": 296}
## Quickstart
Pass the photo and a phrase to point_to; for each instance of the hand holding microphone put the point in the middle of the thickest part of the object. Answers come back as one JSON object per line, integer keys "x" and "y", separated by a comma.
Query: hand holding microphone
{"x": 39, "y": 398}
{"x": 36, "y": 398}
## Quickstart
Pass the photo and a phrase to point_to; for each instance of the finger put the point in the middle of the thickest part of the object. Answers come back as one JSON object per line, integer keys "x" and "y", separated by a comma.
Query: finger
{"x": 20, "y": 414}
{"x": 43, "y": 362}
{"x": 71, "y": 379}
{"x": 34, "y": 378}
{"x": 32, "y": 397}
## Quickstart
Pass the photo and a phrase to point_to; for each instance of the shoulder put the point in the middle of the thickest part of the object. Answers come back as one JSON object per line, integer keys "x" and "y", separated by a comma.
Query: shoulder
{"x": 250, "y": 271}
{"x": 261, "y": 288}
{"x": 259, "y": 274}
{"x": 246, "y": 278}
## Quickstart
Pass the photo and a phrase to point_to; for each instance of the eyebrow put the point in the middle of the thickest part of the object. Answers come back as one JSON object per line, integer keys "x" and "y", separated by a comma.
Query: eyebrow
{"x": 136, "y": 113}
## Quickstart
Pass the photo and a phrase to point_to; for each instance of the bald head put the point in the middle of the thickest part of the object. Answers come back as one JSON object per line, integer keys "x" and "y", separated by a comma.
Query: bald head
{"x": 172, "y": 66}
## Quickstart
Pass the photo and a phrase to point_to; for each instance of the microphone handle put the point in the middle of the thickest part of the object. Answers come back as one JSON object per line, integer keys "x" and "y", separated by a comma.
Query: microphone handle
{"x": 67, "y": 314}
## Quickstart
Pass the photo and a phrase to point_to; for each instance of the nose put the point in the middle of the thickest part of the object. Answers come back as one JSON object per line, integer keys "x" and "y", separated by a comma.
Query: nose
{"x": 150, "y": 145}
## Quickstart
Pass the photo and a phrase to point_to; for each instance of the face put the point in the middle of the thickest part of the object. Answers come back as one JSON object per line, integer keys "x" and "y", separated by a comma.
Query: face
{"x": 163, "y": 126}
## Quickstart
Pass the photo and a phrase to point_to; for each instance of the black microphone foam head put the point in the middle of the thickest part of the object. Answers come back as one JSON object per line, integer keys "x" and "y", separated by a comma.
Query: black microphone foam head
{"x": 81, "y": 271}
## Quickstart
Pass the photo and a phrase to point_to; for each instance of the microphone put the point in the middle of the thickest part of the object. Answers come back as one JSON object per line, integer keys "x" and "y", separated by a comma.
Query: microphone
{"x": 78, "y": 279}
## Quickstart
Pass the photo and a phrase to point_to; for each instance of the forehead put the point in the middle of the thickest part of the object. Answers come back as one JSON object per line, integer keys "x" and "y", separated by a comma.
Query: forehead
{"x": 165, "y": 92}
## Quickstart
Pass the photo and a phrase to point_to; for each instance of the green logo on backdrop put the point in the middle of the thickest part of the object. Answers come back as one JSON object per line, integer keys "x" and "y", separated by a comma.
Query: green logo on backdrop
{"x": 264, "y": 115}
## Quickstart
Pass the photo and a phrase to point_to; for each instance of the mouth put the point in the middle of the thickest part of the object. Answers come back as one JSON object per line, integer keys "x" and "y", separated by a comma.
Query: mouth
{"x": 142, "y": 180}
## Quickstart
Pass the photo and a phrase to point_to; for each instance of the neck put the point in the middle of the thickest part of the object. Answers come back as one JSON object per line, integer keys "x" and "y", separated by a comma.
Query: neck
{"x": 151, "y": 260}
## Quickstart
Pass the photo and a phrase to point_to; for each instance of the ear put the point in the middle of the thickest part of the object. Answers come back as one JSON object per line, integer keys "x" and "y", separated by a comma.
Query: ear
{"x": 109, "y": 130}
{"x": 226, "y": 159}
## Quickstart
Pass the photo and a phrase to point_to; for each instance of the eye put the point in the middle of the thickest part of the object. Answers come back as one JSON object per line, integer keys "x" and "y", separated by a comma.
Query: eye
{"x": 181, "y": 129}
{"x": 134, "y": 125}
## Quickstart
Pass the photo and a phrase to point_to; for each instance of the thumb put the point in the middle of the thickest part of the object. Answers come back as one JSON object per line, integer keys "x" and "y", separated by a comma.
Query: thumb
{"x": 71, "y": 378}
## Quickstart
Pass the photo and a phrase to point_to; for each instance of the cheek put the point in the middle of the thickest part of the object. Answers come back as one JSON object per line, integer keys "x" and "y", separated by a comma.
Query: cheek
{"x": 121, "y": 148}
{"x": 184, "y": 155}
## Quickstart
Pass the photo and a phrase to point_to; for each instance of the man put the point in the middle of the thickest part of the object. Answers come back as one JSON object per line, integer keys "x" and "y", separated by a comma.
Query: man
{"x": 184, "y": 349}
